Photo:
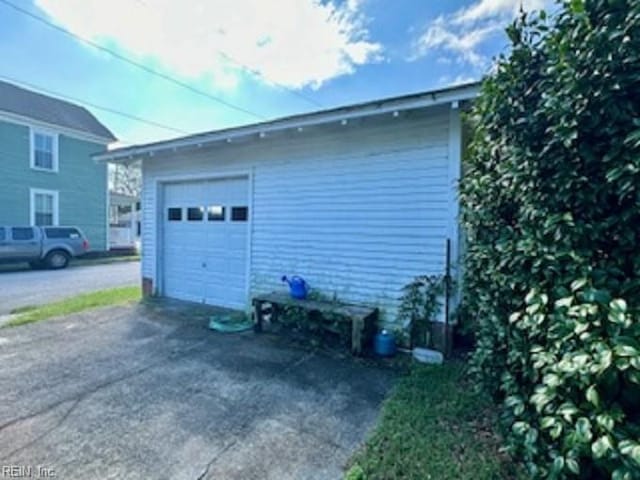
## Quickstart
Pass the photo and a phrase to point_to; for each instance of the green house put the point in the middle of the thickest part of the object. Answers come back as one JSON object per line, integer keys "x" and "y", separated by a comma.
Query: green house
{"x": 47, "y": 175}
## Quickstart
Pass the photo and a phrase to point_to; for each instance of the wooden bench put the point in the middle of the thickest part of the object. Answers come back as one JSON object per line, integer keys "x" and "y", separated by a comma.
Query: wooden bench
{"x": 362, "y": 318}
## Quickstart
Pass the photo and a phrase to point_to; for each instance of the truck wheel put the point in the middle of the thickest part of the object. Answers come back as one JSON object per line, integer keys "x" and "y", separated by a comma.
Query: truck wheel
{"x": 57, "y": 259}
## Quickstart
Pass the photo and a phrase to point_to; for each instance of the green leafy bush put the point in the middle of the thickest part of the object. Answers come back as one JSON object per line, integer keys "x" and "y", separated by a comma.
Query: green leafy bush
{"x": 355, "y": 473}
{"x": 551, "y": 206}
{"x": 419, "y": 305}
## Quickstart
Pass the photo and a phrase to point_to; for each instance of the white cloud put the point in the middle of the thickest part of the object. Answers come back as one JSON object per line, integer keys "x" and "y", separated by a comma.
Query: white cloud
{"x": 461, "y": 42}
{"x": 463, "y": 31}
{"x": 295, "y": 43}
{"x": 450, "y": 81}
{"x": 486, "y": 9}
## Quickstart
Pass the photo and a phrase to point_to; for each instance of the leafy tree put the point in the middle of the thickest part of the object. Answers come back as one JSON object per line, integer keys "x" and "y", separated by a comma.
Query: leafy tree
{"x": 125, "y": 179}
{"x": 551, "y": 206}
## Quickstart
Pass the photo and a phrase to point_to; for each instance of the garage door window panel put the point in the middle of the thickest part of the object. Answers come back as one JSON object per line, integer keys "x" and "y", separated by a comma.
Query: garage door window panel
{"x": 195, "y": 214}
{"x": 216, "y": 213}
{"x": 174, "y": 214}
{"x": 239, "y": 214}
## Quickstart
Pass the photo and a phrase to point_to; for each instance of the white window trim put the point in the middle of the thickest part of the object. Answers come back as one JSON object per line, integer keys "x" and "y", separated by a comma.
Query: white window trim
{"x": 32, "y": 205}
{"x": 32, "y": 149}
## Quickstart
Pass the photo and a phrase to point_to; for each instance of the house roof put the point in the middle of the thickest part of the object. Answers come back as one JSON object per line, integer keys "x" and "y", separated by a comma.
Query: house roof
{"x": 36, "y": 106}
{"x": 425, "y": 99}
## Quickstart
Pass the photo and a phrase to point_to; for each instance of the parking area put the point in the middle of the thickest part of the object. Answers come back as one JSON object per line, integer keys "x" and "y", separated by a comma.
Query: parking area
{"x": 149, "y": 392}
{"x": 36, "y": 287}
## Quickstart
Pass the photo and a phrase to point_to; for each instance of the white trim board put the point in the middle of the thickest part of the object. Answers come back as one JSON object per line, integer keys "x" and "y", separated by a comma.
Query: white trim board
{"x": 107, "y": 202}
{"x": 454, "y": 174}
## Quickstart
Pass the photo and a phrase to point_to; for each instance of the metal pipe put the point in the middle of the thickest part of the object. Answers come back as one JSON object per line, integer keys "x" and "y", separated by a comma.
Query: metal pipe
{"x": 447, "y": 294}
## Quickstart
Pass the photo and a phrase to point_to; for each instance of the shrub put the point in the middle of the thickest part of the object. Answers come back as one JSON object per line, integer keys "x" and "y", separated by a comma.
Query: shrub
{"x": 419, "y": 305}
{"x": 551, "y": 206}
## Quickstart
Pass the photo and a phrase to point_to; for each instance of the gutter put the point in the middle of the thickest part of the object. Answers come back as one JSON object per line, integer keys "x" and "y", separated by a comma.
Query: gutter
{"x": 393, "y": 106}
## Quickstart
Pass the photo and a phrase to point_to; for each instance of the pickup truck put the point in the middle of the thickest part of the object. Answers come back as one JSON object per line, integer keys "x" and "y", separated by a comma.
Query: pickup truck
{"x": 51, "y": 247}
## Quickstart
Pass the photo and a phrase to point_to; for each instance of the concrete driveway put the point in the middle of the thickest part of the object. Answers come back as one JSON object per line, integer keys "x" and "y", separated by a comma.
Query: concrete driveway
{"x": 149, "y": 392}
{"x": 36, "y": 287}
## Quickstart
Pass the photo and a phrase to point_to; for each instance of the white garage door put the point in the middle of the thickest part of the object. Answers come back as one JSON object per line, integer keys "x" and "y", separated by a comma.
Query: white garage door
{"x": 205, "y": 230}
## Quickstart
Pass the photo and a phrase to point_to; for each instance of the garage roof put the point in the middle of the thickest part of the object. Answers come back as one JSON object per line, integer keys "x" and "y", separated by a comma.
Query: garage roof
{"x": 392, "y": 105}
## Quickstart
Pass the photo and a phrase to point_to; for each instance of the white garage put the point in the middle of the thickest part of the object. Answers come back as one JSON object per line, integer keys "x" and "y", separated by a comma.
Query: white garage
{"x": 205, "y": 241}
{"x": 357, "y": 200}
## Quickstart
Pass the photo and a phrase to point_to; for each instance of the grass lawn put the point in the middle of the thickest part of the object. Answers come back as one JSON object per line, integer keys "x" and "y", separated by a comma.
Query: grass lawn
{"x": 433, "y": 426}
{"x": 86, "y": 301}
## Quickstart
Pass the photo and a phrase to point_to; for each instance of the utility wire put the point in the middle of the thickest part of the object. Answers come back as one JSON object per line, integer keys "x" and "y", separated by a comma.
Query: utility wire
{"x": 257, "y": 73}
{"x": 132, "y": 62}
{"x": 100, "y": 107}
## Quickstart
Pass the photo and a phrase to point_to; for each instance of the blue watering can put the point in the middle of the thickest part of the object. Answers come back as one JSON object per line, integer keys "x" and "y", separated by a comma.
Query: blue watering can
{"x": 298, "y": 288}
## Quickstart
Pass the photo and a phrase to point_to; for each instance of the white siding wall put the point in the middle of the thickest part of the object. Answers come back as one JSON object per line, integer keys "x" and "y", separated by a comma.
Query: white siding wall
{"x": 357, "y": 210}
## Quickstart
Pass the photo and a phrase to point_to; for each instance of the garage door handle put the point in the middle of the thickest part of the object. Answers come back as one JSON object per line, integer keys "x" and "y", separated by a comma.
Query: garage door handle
{"x": 204, "y": 265}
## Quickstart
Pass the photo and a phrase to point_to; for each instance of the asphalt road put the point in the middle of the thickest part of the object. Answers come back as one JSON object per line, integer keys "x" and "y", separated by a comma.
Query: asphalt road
{"x": 149, "y": 392}
{"x": 37, "y": 287}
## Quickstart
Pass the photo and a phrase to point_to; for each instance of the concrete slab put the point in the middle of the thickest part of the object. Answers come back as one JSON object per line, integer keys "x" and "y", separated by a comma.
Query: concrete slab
{"x": 149, "y": 392}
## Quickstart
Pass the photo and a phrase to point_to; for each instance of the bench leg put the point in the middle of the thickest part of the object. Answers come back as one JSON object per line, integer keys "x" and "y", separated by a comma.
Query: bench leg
{"x": 257, "y": 312}
{"x": 369, "y": 327}
{"x": 357, "y": 334}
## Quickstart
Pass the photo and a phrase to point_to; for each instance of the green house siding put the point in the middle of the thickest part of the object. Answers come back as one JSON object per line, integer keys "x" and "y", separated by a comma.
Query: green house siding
{"x": 14, "y": 162}
{"x": 80, "y": 182}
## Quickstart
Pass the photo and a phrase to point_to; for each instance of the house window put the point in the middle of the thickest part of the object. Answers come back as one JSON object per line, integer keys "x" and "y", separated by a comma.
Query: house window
{"x": 239, "y": 214}
{"x": 44, "y": 207}
{"x": 44, "y": 151}
{"x": 215, "y": 213}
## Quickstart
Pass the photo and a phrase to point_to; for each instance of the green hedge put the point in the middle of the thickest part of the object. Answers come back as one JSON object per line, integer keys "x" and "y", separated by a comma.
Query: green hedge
{"x": 551, "y": 206}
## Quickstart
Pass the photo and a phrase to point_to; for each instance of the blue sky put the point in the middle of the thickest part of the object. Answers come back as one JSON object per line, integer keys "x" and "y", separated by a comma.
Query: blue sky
{"x": 272, "y": 58}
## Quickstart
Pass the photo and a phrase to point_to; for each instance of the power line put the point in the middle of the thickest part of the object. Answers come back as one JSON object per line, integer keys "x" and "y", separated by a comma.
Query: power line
{"x": 100, "y": 107}
{"x": 257, "y": 73}
{"x": 132, "y": 62}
